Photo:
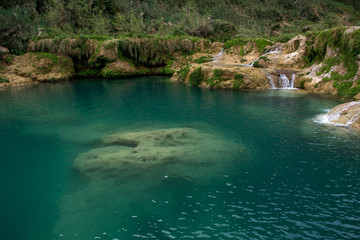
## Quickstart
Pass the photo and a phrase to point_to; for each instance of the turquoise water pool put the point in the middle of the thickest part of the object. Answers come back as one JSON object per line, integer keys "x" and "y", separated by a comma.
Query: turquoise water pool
{"x": 214, "y": 164}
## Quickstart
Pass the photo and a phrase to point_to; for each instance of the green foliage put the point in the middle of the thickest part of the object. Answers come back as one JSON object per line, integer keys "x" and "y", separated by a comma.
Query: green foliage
{"x": 343, "y": 87}
{"x": 235, "y": 42}
{"x": 257, "y": 65}
{"x": 239, "y": 80}
{"x": 203, "y": 59}
{"x": 329, "y": 63}
{"x": 212, "y": 19}
{"x": 261, "y": 43}
{"x": 239, "y": 77}
{"x": 302, "y": 84}
{"x": 4, "y": 79}
{"x": 217, "y": 73}
{"x": 183, "y": 72}
{"x": 17, "y": 26}
{"x": 88, "y": 73}
{"x": 196, "y": 77}
{"x": 154, "y": 51}
{"x": 242, "y": 51}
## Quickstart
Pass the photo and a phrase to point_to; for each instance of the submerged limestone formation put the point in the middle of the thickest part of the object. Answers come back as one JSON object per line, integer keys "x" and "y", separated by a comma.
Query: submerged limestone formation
{"x": 130, "y": 165}
{"x": 347, "y": 114}
{"x": 175, "y": 151}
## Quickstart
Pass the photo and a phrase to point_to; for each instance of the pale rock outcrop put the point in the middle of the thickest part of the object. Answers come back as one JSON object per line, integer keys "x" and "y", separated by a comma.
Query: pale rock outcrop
{"x": 4, "y": 53}
{"x": 31, "y": 68}
{"x": 347, "y": 114}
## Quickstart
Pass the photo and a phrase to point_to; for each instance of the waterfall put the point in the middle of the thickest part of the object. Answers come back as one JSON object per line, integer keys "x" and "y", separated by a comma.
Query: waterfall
{"x": 284, "y": 81}
{"x": 218, "y": 56}
{"x": 292, "y": 80}
{"x": 270, "y": 52}
{"x": 341, "y": 115}
{"x": 271, "y": 82}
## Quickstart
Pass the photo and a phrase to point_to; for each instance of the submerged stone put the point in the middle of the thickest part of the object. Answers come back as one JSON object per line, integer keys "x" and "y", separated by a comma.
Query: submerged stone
{"x": 175, "y": 150}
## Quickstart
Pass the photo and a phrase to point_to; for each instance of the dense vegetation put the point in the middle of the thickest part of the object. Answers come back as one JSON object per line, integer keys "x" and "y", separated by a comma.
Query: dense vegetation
{"x": 345, "y": 43}
{"x": 212, "y": 19}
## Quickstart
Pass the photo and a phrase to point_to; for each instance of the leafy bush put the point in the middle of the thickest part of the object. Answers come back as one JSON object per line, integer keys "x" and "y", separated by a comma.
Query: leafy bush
{"x": 4, "y": 79}
{"x": 196, "y": 77}
{"x": 239, "y": 80}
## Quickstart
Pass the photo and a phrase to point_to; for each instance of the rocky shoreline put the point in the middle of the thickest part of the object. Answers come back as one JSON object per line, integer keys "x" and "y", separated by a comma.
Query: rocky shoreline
{"x": 316, "y": 63}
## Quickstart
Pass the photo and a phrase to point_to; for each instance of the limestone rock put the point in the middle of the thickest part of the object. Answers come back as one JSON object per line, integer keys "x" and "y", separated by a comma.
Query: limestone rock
{"x": 347, "y": 114}
{"x": 143, "y": 152}
{"x": 4, "y": 53}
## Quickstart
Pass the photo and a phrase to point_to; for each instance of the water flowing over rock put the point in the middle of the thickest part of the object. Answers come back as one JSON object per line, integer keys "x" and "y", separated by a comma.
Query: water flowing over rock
{"x": 347, "y": 114}
{"x": 284, "y": 81}
{"x": 271, "y": 81}
{"x": 218, "y": 56}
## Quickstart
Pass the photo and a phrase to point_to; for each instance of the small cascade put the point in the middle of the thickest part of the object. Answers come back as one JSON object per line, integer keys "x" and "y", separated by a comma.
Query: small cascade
{"x": 282, "y": 82}
{"x": 218, "y": 56}
{"x": 341, "y": 115}
{"x": 271, "y": 81}
{"x": 270, "y": 52}
{"x": 292, "y": 80}
{"x": 285, "y": 83}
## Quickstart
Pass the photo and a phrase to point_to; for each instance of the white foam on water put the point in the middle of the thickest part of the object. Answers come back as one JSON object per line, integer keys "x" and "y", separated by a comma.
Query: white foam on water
{"x": 334, "y": 114}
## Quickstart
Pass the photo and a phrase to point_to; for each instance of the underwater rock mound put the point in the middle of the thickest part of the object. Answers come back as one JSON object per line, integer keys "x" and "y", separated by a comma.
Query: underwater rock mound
{"x": 173, "y": 150}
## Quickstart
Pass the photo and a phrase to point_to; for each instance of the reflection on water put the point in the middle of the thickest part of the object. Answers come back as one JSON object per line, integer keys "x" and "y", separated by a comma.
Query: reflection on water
{"x": 147, "y": 158}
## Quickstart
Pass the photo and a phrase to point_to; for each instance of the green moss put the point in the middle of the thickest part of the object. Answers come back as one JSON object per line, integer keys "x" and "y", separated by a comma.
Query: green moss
{"x": 114, "y": 73}
{"x": 329, "y": 63}
{"x": 217, "y": 73}
{"x": 316, "y": 85}
{"x": 261, "y": 43}
{"x": 88, "y": 73}
{"x": 326, "y": 79}
{"x": 55, "y": 59}
{"x": 239, "y": 80}
{"x": 4, "y": 79}
{"x": 257, "y": 65}
{"x": 239, "y": 77}
{"x": 235, "y": 42}
{"x": 343, "y": 88}
{"x": 110, "y": 45}
{"x": 183, "y": 72}
{"x": 242, "y": 51}
{"x": 196, "y": 77}
{"x": 203, "y": 59}
{"x": 167, "y": 70}
{"x": 9, "y": 59}
{"x": 264, "y": 58}
{"x": 302, "y": 84}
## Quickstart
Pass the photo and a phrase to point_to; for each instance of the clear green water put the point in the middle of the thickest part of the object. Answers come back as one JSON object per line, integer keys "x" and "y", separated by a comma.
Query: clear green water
{"x": 287, "y": 178}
